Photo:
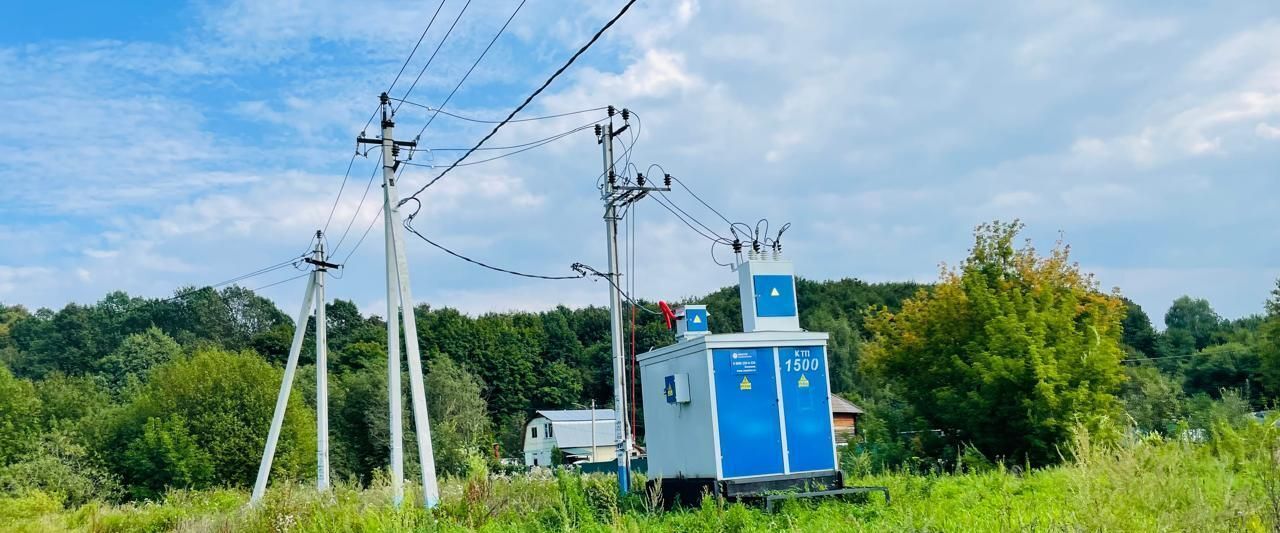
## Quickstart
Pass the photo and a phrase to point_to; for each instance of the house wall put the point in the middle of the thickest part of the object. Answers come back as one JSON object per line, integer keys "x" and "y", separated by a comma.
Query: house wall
{"x": 602, "y": 453}
{"x": 845, "y": 427}
{"x": 537, "y": 450}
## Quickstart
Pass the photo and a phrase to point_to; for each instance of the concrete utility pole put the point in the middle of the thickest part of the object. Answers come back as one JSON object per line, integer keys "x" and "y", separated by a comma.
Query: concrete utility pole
{"x": 400, "y": 311}
{"x": 616, "y": 196}
{"x": 322, "y": 369}
{"x": 314, "y": 292}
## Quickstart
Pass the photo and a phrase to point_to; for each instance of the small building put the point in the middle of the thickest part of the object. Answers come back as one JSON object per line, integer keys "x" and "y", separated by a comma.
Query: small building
{"x": 572, "y": 433}
{"x": 844, "y": 419}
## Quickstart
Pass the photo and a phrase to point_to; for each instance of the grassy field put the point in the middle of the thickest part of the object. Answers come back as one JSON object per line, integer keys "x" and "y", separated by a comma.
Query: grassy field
{"x": 1229, "y": 483}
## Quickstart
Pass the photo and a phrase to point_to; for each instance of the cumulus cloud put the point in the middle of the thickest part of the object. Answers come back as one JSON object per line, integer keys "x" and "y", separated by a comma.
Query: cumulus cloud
{"x": 884, "y": 132}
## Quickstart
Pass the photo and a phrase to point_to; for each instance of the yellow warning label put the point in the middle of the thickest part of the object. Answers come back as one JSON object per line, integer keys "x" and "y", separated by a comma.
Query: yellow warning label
{"x": 671, "y": 391}
{"x": 804, "y": 382}
{"x": 774, "y": 292}
{"x": 745, "y": 385}
{"x": 697, "y": 319}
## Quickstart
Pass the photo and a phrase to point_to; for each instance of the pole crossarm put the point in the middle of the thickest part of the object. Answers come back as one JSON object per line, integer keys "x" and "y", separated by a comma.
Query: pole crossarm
{"x": 367, "y": 140}
{"x": 623, "y": 195}
{"x": 322, "y": 265}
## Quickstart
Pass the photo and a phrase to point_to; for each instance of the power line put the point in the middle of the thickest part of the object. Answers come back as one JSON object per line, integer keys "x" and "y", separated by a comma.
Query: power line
{"x": 415, "y": 49}
{"x": 359, "y": 206}
{"x": 528, "y": 146}
{"x": 662, "y": 202}
{"x": 470, "y": 70}
{"x": 1197, "y": 354}
{"x": 341, "y": 187}
{"x": 581, "y": 273}
{"x": 624, "y": 294}
{"x": 265, "y": 270}
{"x": 528, "y": 99}
{"x": 286, "y": 280}
{"x": 436, "y": 51}
{"x": 363, "y": 235}
{"x": 483, "y": 121}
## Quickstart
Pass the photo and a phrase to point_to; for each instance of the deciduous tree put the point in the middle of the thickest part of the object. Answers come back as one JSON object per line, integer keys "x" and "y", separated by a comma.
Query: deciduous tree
{"x": 1010, "y": 350}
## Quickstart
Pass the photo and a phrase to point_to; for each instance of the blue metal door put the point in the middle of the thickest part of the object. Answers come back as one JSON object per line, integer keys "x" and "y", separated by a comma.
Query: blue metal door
{"x": 747, "y": 412}
{"x": 807, "y": 407}
{"x": 775, "y": 295}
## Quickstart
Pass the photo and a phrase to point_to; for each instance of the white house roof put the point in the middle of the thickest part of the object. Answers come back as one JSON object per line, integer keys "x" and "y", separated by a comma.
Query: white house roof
{"x": 576, "y": 415}
{"x": 578, "y": 434}
{"x": 573, "y": 427}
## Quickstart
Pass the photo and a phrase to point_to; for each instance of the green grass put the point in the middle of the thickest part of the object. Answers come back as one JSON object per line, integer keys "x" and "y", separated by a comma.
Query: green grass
{"x": 1227, "y": 484}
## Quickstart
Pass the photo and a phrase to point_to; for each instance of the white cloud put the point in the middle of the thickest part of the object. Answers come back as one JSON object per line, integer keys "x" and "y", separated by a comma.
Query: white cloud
{"x": 1267, "y": 131}
{"x": 885, "y": 132}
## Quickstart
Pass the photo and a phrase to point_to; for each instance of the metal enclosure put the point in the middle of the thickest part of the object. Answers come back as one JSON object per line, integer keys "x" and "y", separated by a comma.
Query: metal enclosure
{"x": 757, "y": 408}
{"x": 768, "y": 291}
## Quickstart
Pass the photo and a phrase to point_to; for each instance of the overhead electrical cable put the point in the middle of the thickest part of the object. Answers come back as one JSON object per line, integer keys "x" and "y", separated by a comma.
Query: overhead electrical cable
{"x": 483, "y": 121}
{"x": 286, "y": 280}
{"x": 368, "y": 186}
{"x": 581, "y": 273}
{"x": 265, "y": 270}
{"x": 527, "y": 146}
{"x": 372, "y": 221}
{"x": 341, "y": 187}
{"x": 672, "y": 208}
{"x": 625, "y": 295}
{"x": 415, "y": 49}
{"x": 528, "y": 99}
{"x": 470, "y": 70}
{"x": 433, "y": 53}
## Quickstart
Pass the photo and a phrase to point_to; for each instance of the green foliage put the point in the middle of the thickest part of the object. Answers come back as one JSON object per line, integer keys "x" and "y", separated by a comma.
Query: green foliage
{"x": 166, "y": 456}
{"x": 62, "y": 468}
{"x": 1227, "y": 484}
{"x": 1224, "y": 366}
{"x": 137, "y": 354}
{"x": 1138, "y": 333}
{"x": 19, "y": 416}
{"x": 215, "y": 401}
{"x": 70, "y": 402}
{"x": 1154, "y": 400}
{"x": 1195, "y": 317}
{"x": 101, "y": 395}
{"x": 358, "y": 423}
{"x": 459, "y": 422}
{"x": 1008, "y": 352}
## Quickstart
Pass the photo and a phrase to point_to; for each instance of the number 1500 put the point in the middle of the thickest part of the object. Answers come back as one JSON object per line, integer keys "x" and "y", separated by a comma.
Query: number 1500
{"x": 803, "y": 365}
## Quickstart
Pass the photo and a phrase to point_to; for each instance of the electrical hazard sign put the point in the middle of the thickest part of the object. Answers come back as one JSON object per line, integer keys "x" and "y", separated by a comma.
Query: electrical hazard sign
{"x": 745, "y": 385}
{"x": 774, "y": 292}
{"x": 697, "y": 319}
{"x": 803, "y": 383}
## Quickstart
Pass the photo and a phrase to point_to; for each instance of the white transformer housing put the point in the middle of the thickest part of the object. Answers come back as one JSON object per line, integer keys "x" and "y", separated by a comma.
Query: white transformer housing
{"x": 739, "y": 414}
{"x": 768, "y": 290}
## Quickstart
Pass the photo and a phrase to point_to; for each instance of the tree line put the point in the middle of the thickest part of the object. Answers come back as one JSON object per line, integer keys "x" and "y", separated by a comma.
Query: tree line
{"x": 1004, "y": 356}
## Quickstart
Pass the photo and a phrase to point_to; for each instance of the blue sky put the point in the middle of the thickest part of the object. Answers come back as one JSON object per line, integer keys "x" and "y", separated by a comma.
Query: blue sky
{"x": 151, "y": 145}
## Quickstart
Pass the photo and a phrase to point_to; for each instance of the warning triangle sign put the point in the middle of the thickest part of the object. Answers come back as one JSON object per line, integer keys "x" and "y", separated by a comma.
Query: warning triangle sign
{"x": 697, "y": 319}
{"x": 745, "y": 385}
{"x": 804, "y": 382}
{"x": 774, "y": 292}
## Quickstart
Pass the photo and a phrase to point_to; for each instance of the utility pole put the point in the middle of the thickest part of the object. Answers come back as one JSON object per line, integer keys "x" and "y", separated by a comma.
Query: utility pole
{"x": 400, "y": 311}
{"x": 615, "y": 196}
{"x": 314, "y": 292}
{"x": 322, "y": 368}
{"x": 593, "y": 431}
